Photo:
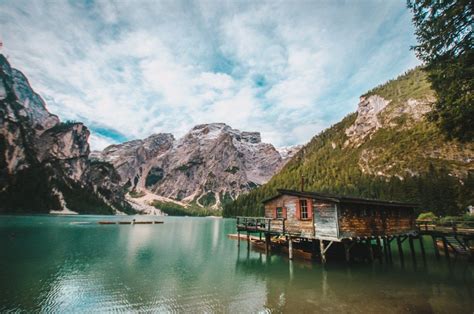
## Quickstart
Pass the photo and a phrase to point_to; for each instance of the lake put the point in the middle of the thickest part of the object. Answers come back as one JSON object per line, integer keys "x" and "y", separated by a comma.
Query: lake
{"x": 72, "y": 264}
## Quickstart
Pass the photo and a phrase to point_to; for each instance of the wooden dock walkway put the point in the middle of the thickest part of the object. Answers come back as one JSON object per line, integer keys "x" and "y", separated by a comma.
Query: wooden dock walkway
{"x": 453, "y": 240}
{"x": 122, "y": 222}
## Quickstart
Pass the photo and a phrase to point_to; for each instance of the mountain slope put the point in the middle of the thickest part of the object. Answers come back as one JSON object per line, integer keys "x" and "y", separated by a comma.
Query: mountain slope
{"x": 44, "y": 163}
{"x": 387, "y": 150}
{"x": 210, "y": 165}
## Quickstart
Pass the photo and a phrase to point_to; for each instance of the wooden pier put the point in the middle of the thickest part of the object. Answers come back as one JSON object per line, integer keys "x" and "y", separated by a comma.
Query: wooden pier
{"x": 348, "y": 228}
{"x": 132, "y": 222}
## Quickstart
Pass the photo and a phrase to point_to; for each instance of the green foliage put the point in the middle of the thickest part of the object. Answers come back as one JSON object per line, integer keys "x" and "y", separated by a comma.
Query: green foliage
{"x": 174, "y": 209}
{"x": 208, "y": 199}
{"x": 83, "y": 200}
{"x": 136, "y": 194}
{"x": 427, "y": 216}
{"x": 29, "y": 191}
{"x": 154, "y": 176}
{"x": 413, "y": 84}
{"x": 445, "y": 35}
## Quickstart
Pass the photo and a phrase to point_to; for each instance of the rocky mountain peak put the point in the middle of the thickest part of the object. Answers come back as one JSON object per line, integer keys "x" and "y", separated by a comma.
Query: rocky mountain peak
{"x": 209, "y": 165}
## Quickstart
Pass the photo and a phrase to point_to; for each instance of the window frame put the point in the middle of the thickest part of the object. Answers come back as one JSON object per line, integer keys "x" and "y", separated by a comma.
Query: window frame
{"x": 306, "y": 209}
{"x": 279, "y": 214}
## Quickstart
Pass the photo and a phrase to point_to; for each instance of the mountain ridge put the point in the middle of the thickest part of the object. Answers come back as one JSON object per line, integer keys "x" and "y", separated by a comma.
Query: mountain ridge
{"x": 210, "y": 165}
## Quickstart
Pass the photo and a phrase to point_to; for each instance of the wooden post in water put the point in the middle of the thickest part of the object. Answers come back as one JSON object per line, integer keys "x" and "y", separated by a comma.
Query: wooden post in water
{"x": 385, "y": 252}
{"x": 379, "y": 249}
{"x": 347, "y": 250}
{"x": 412, "y": 249}
{"x": 238, "y": 238}
{"x": 445, "y": 245}
{"x": 369, "y": 248}
{"x": 313, "y": 249}
{"x": 267, "y": 243}
{"x": 400, "y": 249}
{"x": 422, "y": 248}
{"x": 435, "y": 246}
{"x": 248, "y": 240}
{"x": 290, "y": 248}
{"x": 389, "y": 248}
{"x": 323, "y": 253}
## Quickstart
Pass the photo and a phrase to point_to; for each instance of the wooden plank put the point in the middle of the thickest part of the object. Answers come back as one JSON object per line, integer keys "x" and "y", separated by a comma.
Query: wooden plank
{"x": 325, "y": 220}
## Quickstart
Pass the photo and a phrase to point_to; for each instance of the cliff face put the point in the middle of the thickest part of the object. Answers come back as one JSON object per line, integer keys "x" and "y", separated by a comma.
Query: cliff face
{"x": 44, "y": 162}
{"x": 211, "y": 164}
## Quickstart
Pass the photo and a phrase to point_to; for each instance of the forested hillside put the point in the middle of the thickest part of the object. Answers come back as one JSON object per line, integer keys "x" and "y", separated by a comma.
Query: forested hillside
{"x": 386, "y": 150}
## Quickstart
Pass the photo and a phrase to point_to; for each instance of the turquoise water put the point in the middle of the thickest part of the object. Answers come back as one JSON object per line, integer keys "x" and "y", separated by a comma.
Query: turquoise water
{"x": 72, "y": 264}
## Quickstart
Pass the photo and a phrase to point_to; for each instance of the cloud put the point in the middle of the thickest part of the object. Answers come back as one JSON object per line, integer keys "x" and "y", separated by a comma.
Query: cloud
{"x": 129, "y": 69}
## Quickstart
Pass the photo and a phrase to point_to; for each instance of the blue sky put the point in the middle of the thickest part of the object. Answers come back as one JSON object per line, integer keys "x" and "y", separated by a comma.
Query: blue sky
{"x": 127, "y": 69}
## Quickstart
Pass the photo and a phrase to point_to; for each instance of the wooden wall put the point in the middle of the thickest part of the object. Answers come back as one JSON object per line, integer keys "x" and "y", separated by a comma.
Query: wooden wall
{"x": 360, "y": 220}
{"x": 290, "y": 205}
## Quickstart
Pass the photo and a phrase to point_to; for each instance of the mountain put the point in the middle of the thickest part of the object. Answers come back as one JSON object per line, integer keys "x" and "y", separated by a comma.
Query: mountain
{"x": 210, "y": 165}
{"x": 388, "y": 149}
{"x": 44, "y": 162}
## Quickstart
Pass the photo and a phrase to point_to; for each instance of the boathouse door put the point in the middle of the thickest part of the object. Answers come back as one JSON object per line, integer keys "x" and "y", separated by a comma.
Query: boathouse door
{"x": 325, "y": 220}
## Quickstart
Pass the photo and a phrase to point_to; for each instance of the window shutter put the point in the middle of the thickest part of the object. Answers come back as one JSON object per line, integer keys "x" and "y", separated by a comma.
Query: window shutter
{"x": 298, "y": 209}
{"x": 284, "y": 211}
{"x": 310, "y": 208}
{"x": 275, "y": 213}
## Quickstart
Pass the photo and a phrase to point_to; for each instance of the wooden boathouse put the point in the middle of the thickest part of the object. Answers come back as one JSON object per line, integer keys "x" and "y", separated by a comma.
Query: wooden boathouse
{"x": 328, "y": 219}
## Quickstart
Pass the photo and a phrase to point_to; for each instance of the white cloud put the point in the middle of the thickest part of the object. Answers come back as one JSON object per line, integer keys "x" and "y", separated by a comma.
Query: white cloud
{"x": 283, "y": 68}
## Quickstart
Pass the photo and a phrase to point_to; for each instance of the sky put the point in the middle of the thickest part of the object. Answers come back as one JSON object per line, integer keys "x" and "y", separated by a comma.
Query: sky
{"x": 128, "y": 69}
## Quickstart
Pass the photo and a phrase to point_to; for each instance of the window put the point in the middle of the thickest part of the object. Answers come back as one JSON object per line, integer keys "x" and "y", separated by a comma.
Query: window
{"x": 303, "y": 209}
{"x": 279, "y": 211}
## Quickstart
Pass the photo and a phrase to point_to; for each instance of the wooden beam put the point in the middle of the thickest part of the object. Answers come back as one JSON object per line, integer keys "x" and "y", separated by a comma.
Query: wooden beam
{"x": 435, "y": 246}
{"x": 412, "y": 250}
{"x": 379, "y": 249}
{"x": 422, "y": 248}
{"x": 290, "y": 248}
{"x": 400, "y": 250}
{"x": 369, "y": 248}
{"x": 389, "y": 248}
{"x": 321, "y": 249}
{"x": 446, "y": 249}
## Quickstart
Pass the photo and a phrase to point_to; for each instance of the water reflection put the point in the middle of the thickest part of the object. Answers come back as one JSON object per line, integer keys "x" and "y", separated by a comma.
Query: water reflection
{"x": 188, "y": 264}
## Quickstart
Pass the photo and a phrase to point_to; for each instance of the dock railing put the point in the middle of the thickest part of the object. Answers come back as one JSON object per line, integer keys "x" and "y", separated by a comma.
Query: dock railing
{"x": 261, "y": 224}
{"x": 451, "y": 226}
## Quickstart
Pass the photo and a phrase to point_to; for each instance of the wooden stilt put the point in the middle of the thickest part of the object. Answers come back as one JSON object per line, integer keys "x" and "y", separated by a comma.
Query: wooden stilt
{"x": 412, "y": 249}
{"x": 260, "y": 236}
{"x": 290, "y": 248}
{"x": 385, "y": 252}
{"x": 422, "y": 248}
{"x": 238, "y": 238}
{"x": 379, "y": 249}
{"x": 323, "y": 253}
{"x": 400, "y": 250}
{"x": 347, "y": 250}
{"x": 435, "y": 247}
{"x": 248, "y": 240}
{"x": 446, "y": 250}
{"x": 267, "y": 243}
{"x": 369, "y": 249}
{"x": 313, "y": 249}
{"x": 389, "y": 249}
